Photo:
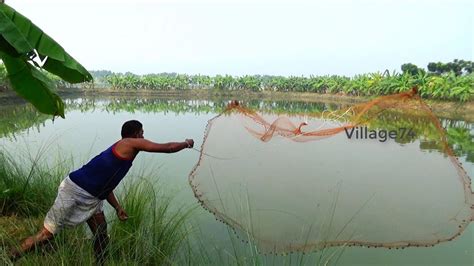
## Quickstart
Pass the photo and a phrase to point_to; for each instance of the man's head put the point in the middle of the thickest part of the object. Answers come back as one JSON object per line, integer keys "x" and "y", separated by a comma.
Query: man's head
{"x": 132, "y": 129}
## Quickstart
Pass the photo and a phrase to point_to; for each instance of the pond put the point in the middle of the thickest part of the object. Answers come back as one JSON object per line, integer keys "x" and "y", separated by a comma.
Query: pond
{"x": 93, "y": 124}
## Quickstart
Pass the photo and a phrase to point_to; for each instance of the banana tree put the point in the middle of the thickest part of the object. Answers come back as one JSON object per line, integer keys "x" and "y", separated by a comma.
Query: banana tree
{"x": 21, "y": 42}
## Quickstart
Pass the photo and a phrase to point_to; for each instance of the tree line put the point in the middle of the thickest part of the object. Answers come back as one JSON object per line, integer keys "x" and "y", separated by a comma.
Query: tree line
{"x": 446, "y": 81}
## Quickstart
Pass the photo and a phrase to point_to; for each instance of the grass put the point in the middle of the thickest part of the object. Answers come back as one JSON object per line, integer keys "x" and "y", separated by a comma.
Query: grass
{"x": 152, "y": 235}
{"x": 158, "y": 231}
{"x": 27, "y": 191}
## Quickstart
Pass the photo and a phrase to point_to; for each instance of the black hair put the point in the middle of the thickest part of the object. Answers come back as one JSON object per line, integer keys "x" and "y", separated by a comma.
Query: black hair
{"x": 131, "y": 128}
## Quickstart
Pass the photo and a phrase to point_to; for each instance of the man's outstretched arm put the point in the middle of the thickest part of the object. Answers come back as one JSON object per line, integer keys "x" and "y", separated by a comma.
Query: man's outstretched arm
{"x": 170, "y": 147}
{"x": 129, "y": 147}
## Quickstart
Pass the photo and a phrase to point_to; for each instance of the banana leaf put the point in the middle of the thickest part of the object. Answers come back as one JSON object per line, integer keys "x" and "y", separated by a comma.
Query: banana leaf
{"x": 25, "y": 38}
{"x": 31, "y": 84}
{"x": 19, "y": 44}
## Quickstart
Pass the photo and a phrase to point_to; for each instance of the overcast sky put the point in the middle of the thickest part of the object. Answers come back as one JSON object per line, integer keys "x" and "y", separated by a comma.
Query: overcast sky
{"x": 256, "y": 37}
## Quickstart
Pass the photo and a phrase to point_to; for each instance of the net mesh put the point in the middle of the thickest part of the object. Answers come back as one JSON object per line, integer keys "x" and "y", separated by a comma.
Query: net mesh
{"x": 300, "y": 183}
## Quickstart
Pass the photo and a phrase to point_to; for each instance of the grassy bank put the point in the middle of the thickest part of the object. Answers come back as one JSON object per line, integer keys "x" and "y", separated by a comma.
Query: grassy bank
{"x": 151, "y": 236}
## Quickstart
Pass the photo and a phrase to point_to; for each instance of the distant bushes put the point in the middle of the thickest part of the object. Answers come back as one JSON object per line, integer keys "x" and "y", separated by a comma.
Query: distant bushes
{"x": 446, "y": 81}
{"x": 451, "y": 81}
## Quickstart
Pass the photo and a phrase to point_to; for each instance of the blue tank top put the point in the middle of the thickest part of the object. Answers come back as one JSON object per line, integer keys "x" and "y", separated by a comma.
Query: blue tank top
{"x": 102, "y": 174}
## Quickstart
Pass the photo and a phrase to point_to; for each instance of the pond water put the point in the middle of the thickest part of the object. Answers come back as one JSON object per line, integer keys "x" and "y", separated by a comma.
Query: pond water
{"x": 92, "y": 125}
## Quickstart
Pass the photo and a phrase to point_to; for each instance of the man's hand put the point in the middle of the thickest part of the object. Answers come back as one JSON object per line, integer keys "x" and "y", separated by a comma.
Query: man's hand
{"x": 190, "y": 143}
{"x": 121, "y": 214}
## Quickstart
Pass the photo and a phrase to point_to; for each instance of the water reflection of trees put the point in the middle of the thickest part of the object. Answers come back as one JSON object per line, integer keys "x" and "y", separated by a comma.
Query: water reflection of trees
{"x": 195, "y": 106}
{"x": 19, "y": 118}
{"x": 15, "y": 119}
{"x": 459, "y": 133}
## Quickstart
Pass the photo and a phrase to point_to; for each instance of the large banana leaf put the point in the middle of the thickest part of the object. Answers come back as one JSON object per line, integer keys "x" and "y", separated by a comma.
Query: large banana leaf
{"x": 32, "y": 85}
{"x": 23, "y": 36}
{"x": 14, "y": 46}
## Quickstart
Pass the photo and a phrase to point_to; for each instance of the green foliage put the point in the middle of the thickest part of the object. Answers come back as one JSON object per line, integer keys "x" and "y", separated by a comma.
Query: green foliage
{"x": 448, "y": 86}
{"x": 20, "y": 42}
{"x": 154, "y": 81}
{"x": 33, "y": 85}
{"x": 12, "y": 42}
{"x": 3, "y": 76}
{"x": 153, "y": 233}
{"x": 27, "y": 187}
{"x": 411, "y": 69}
{"x": 444, "y": 87}
{"x": 458, "y": 67}
{"x": 25, "y": 37}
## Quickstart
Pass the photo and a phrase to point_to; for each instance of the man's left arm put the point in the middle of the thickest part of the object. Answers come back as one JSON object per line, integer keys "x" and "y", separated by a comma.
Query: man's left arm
{"x": 112, "y": 200}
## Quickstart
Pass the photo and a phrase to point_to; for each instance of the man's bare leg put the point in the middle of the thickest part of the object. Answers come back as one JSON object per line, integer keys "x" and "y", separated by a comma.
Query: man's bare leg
{"x": 29, "y": 243}
{"x": 98, "y": 226}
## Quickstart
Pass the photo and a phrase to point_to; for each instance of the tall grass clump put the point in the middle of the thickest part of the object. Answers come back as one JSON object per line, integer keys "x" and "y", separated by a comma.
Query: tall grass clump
{"x": 154, "y": 232}
{"x": 27, "y": 188}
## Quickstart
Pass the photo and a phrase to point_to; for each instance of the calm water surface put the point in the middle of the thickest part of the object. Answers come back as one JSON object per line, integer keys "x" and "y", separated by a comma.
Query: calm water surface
{"x": 93, "y": 125}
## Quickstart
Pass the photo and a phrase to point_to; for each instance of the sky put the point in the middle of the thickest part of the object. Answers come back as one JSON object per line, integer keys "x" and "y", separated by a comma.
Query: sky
{"x": 267, "y": 37}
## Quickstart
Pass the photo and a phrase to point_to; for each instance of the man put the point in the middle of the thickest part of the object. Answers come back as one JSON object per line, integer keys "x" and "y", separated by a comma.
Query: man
{"x": 81, "y": 194}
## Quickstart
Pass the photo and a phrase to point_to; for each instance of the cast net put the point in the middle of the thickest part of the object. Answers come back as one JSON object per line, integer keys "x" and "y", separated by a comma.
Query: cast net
{"x": 303, "y": 183}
